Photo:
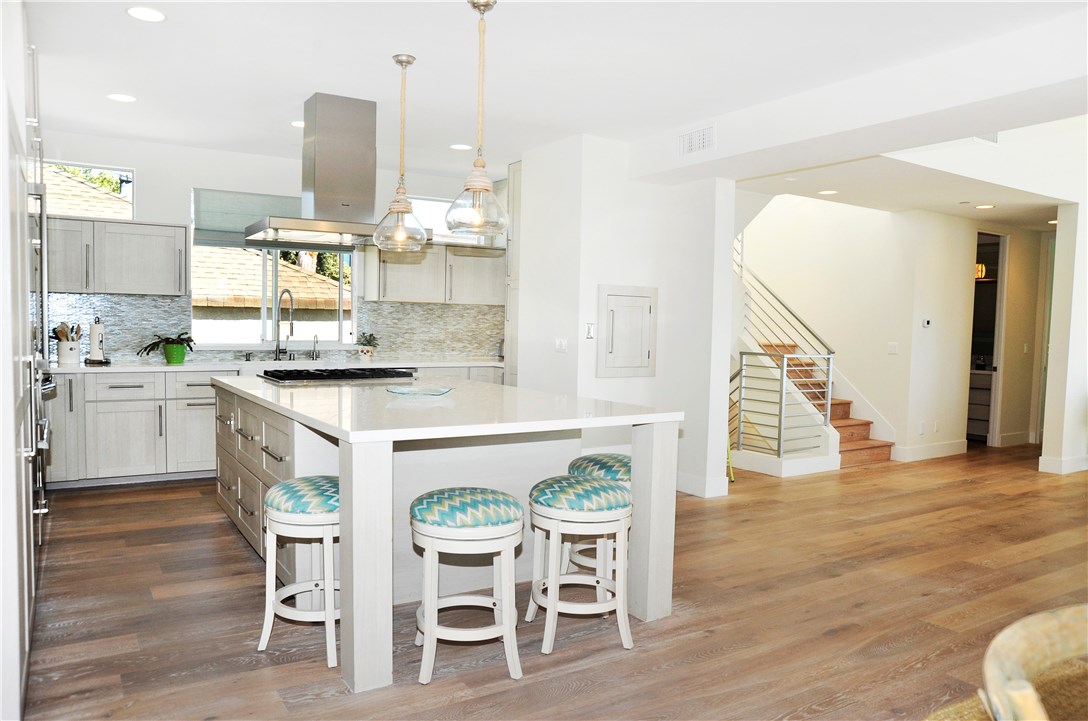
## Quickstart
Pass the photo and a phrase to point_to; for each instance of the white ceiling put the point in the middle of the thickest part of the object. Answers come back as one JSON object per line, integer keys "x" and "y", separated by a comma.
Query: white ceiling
{"x": 233, "y": 75}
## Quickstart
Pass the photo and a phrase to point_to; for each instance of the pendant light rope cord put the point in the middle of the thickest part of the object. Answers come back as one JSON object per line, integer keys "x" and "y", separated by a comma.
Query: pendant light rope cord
{"x": 403, "y": 95}
{"x": 480, "y": 96}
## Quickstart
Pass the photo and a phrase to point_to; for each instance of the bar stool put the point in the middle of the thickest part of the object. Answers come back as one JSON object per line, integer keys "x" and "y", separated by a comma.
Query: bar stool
{"x": 467, "y": 521}
{"x": 572, "y": 505}
{"x": 305, "y": 507}
{"x": 611, "y": 467}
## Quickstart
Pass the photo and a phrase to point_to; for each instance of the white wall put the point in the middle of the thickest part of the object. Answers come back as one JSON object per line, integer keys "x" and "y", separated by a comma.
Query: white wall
{"x": 864, "y": 279}
{"x": 615, "y": 231}
{"x": 166, "y": 174}
{"x": 1049, "y": 159}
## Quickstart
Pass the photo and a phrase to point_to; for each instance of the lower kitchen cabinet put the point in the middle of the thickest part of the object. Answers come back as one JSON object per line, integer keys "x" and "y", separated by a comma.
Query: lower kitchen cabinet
{"x": 264, "y": 449}
{"x": 126, "y": 438}
{"x": 110, "y": 425}
{"x": 64, "y": 409}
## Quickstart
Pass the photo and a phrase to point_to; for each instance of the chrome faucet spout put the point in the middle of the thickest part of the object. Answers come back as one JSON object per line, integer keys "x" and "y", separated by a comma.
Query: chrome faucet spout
{"x": 281, "y": 353}
{"x": 314, "y": 355}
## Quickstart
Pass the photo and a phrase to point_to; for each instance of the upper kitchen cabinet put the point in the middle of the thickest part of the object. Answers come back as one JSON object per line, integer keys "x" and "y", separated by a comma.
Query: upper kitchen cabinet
{"x": 70, "y": 246}
{"x": 444, "y": 274}
{"x": 139, "y": 258}
{"x": 95, "y": 256}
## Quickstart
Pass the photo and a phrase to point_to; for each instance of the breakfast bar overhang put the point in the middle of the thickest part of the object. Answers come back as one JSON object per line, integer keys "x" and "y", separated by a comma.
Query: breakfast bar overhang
{"x": 367, "y": 423}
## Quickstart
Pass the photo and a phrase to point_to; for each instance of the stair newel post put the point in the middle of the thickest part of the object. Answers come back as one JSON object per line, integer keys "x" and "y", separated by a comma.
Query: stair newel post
{"x": 782, "y": 405}
{"x": 740, "y": 401}
{"x": 827, "y": 392}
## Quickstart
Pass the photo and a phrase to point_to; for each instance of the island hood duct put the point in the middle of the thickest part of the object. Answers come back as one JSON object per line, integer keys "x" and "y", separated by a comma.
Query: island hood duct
{"x": 339, "y": 164}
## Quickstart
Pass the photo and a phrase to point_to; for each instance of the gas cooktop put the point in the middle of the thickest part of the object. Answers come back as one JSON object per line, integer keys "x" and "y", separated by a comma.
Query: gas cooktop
{"x": 337, "y": 375}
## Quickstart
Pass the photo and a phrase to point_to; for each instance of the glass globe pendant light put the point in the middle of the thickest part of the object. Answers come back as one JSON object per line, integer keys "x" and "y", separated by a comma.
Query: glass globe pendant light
{"x": 400, "y": 230}
{"x": 476, "y": 212}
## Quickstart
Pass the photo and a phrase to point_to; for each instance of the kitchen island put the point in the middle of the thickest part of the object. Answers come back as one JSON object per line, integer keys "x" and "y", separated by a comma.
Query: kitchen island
{"x": 479, "y": 427}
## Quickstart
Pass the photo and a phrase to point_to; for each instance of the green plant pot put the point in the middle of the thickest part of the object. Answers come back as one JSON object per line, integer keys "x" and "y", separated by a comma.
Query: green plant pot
{"x": 174, "y": 352}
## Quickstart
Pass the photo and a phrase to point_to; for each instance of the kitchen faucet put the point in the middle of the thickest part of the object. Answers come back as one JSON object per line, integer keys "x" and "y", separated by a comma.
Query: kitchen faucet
{"x": 314, "y": 354}
{"x": 279, "y": 353}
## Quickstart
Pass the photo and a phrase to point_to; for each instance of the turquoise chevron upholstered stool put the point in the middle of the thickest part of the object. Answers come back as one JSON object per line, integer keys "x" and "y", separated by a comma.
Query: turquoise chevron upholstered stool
{"x": 610, "y": 467}
{"x": 467, "y": 521}
{"x": 573, "y": 505}
{"x": 307, "y": 507}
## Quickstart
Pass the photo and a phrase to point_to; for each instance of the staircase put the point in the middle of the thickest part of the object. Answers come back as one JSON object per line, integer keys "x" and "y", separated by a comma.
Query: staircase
{"x": 856, "y": 448}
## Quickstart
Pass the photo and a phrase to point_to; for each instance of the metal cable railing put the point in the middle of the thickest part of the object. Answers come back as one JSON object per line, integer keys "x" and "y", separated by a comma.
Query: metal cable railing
{"x": 778, "y": 396}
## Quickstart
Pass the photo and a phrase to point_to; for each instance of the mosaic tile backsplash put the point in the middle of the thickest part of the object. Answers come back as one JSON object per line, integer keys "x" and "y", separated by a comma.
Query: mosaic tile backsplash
{"x": 416, "y": 330}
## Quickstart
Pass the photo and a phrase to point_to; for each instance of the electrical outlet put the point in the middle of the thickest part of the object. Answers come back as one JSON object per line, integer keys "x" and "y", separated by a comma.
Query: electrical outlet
{"x": 936, "y": 426}
{"x": 893, "y": 349}
{"x": 921, "y": 428}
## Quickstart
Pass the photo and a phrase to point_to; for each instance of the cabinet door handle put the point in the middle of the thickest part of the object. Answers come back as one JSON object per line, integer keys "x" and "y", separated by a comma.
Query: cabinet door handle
{"x": 243, "y": 507}
{"x": 160, "y": 420}
{"x": 200, "y": 405}
{"x": 611, "y": 330}
{"x": 181, "y": 270}
{"x": 268, "y": 451}
{"x": 224, "y": 484}
{"x": 228, "y": 421}
{"x": 384, "y": 280}
{"x": 125, "y": 385}
{"x": 451, "y": 282}
{"x": 199, "y": 385}
{"x": 243, "y": 434}
{"x": 87, "y": 267}
{"x": 71, "y": 402}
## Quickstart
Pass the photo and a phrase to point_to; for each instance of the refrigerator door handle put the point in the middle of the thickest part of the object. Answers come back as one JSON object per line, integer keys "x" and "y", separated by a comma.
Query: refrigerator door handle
{"x": 46, "y": 433}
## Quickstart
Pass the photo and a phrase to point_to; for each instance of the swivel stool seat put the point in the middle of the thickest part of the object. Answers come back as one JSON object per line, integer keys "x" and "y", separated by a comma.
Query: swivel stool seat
{"x": 467, "y": 520}
{"x": 306, "y": 507}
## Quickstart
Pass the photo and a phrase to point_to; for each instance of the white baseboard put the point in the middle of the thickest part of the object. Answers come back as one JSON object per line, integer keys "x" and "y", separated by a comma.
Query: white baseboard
{"x": 701, "y": 486}
{"x": 1061, "y": 466}
{"x": 932, "y": 450}
{"x": 784, "y": 467}
{"x": 1014, "y": 439}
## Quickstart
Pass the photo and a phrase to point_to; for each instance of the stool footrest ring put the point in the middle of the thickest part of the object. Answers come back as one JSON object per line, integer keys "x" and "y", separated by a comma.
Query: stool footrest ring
{"x": 301, "y": 614}
{"x": 462, "y": 633}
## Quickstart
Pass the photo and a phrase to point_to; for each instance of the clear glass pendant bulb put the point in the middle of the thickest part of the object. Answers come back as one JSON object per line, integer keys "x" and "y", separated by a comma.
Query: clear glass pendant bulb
{"x": 400, "y": 232}
{"x": 476, "y": 212}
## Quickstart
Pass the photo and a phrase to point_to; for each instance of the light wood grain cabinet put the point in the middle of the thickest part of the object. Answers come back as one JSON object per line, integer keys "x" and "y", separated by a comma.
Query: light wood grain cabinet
{"x": 64, "y": 409}
{"x": 444, "y": 274}
{"x": 95, "y": 256}
{"x": 126, "y": 438}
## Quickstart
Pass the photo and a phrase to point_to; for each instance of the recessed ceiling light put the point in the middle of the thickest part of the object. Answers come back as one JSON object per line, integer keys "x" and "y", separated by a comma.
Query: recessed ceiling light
{"x": 298, "y": 123}
{"x": 1052, "y": 222}
{"x": 984, "y": 206}
{"x": 790, "y": 179}
{"x": 148, "y": 15}
{"x": 121, "y": 98}
{"x": 828, "y": 192}
{"x": 460, "y": 146}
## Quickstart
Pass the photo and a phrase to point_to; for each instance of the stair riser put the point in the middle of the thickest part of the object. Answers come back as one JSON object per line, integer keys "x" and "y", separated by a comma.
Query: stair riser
{"x": 864, "y": 456}
{"x": 855, "y": 433}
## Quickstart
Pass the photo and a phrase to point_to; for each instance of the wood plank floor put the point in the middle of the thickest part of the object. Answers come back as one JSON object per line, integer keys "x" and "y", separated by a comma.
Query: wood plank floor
{"x": 868, "y": 593}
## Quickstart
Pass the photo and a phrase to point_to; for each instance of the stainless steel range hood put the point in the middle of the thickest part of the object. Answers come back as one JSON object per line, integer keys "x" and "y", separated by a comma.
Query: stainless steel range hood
{"x": 339, "y": 164}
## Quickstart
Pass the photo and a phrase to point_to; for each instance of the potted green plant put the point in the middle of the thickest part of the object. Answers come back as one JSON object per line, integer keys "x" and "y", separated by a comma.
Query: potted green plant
{"x": 173, "y": 347}
{"x": 367, "y": 342}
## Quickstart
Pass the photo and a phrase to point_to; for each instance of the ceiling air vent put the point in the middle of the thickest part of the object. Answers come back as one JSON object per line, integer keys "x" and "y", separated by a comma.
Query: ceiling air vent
{"x": 696, "y": 140}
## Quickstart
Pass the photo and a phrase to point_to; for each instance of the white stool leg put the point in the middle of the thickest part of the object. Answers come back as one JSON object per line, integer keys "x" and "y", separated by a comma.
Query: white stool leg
{"x": 551, "y": 619}
{"x": 604, "y": 567}
{"x": 497, "y": 586}
{"x": 430, "y": 614}
{"x": 538, "y": 571}
{"x": 269, "y": 588}
{"x": 329, "y": 581}
{"x": 621, "y": 588}
{"x": 509, "y": 612}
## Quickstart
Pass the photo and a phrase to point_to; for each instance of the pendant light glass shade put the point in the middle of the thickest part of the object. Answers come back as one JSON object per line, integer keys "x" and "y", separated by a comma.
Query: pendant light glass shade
{"x": 400, "y": 231}
{"x": 477, "y": 212}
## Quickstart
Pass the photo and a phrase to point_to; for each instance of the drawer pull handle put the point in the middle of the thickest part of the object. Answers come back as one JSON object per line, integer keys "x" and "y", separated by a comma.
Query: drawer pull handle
{"x": 224, "y": 484}
{"x": 275, "y": 457}
{"x": 199, "y": 385}
{"x": 243, "y": 434}
{"x": 228, "y": 421}
{"x": 118, "y": 386}
{"x": 200, "y": 405}
{"x": 242, "y": 506}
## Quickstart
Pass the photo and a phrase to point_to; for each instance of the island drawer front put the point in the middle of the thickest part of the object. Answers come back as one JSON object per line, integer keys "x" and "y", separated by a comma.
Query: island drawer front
{"x": 251, "y": 509}
{"x": 193, "y": 384}
{"x": 277, "y": 450}
{"x": 247, "y": 427}
{"x": 226, "y": 412}
{"x": 125, "y": 386}
{"x": 226, "y": 484}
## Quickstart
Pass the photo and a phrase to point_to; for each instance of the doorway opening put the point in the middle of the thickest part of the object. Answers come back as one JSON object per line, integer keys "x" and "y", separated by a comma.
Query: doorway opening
{"x": 981, "y": 395}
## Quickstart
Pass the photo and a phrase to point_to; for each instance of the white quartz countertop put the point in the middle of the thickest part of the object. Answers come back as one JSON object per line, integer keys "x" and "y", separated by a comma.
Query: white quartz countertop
{"x": 357, "y": 412}
{"x": 256, "y": 366}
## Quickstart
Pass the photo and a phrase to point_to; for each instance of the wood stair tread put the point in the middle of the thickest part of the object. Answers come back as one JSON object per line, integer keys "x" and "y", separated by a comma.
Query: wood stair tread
{"x": 845, "y": 422}
{"x": 866, "y": 443}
